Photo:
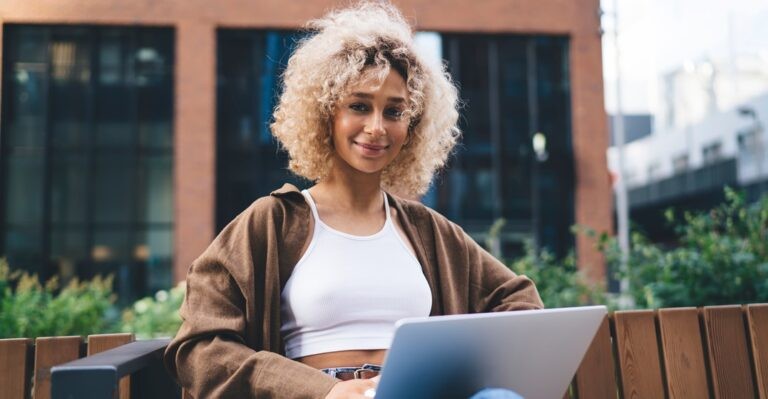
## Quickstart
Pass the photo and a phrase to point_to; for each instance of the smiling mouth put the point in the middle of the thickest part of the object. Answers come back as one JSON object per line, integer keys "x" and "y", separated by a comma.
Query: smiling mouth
{"x": 372, "y": 147}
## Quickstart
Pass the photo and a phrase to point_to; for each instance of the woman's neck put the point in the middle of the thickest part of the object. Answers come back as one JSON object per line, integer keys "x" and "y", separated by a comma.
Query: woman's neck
{"x": 355, "y": 192}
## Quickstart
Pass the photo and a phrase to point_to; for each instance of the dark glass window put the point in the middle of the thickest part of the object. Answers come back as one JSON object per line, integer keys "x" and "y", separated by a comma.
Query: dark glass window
{"x": 249, "y": 164}
{"x": 86, "y": 153}
{"x": 513, "y": 87}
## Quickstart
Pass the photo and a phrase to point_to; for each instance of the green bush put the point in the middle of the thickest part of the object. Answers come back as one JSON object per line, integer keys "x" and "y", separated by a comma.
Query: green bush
{"x": 31, "y": 309}
{"x": 559, "y": 281}
{"x": 721, "y": 258}
{"x": 157, "y": 316}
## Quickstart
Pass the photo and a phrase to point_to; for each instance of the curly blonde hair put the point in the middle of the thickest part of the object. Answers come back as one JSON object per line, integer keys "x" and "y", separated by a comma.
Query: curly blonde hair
{"x": 346, "y": 47}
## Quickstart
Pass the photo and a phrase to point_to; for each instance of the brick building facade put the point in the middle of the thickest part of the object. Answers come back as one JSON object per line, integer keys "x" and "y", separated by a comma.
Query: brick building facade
{"x": 195, "y": 25}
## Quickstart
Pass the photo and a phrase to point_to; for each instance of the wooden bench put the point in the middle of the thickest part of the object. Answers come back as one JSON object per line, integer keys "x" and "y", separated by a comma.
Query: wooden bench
{"x": 29, "y": 368}
{"x": 710, "y": 352}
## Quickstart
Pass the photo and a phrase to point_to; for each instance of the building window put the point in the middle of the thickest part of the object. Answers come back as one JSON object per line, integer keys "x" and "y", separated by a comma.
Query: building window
{"x": 515, "y": 88}
{"x": 680, "y": 164}
{"x": 712, "y": 153}
{"x": 86, "y": 183}
{"x": 249, "y": 162}
{"x": 748, "y": 140}
{"x": 653, "y": 171}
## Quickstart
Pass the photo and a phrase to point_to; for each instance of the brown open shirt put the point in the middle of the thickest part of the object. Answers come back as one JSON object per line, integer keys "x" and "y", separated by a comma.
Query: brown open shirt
{"x": 230, "y": 345}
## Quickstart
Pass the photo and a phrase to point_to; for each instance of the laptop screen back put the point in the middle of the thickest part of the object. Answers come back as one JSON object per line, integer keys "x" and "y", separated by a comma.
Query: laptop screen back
{"x": 534, "y": 353}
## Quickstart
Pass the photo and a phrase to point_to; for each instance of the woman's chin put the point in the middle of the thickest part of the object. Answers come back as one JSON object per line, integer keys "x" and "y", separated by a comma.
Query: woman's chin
{"x": 367, "y": 168}
{"x": 361, "y": 165}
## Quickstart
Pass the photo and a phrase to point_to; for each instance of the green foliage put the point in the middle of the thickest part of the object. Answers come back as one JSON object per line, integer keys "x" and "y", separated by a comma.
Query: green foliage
{"x": 30, "y": 309}
{"x": 721, "y": 258}
{"x": 157, "y": 316}
{"x": 559, "y": 281}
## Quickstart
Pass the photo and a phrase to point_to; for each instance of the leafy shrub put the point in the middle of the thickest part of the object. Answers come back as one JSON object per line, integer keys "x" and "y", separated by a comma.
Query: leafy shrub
{"x": 559, "y": 281}
{"x": 157, "y": 316}
{"x": 31, "y": 309}
{"x": 721, "y": 258}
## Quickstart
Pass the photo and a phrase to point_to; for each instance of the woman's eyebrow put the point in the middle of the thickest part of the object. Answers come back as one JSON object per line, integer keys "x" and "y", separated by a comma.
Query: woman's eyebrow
{"x": 369, "y": 96}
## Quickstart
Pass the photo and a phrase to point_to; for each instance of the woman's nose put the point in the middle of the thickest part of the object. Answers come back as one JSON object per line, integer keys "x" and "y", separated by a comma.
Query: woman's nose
{"x": 375, "y": 125}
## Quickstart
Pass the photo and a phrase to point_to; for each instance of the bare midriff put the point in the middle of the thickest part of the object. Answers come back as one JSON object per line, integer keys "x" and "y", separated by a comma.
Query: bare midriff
{"x": 354, "y": 358}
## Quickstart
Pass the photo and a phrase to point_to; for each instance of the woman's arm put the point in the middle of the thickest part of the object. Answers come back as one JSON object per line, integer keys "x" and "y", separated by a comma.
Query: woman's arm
{"x": 215, "y": 353}
{"x": 464, "y": 277}
{"x": 209, "y": 356}
{"x": 493, "y": 287}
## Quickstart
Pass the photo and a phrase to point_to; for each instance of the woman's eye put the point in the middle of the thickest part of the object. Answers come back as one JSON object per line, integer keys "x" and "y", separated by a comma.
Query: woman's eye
{"x": 358, "y": 107}
{"x": 395, "y": 113}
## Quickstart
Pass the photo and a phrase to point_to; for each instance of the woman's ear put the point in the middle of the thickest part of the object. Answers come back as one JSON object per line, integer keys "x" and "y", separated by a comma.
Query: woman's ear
{"x": 329, "y": 131}
{"x": 413, "y": 123}
{"x": 408, "y": 137}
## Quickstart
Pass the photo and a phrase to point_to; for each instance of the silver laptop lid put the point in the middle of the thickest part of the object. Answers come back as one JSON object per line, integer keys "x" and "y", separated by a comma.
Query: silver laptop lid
{"x": 534, "y": 353}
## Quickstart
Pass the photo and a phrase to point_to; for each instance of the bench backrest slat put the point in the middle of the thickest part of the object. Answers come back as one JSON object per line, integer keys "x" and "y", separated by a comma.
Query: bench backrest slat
{"x": 596, "y": 377}
{"x": 15, "y": 368}
{"x": 683, "y": 349}
{"x": 100, "y": 343}
{"x": 731, "y": 372}
{"x": 757, "y": 316}
{"x": 49, "y": 352}
{"x": 718, "y": 351}
{"x": 638, "y": 354}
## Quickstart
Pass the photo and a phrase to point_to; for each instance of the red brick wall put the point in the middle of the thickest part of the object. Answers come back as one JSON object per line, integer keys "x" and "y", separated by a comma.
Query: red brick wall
{"x": 194, "y": 121}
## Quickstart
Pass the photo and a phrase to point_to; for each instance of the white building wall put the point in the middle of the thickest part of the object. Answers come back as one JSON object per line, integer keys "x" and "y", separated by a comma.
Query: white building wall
{"x": 651, "y": 158}
{"x": 699, "y": 107}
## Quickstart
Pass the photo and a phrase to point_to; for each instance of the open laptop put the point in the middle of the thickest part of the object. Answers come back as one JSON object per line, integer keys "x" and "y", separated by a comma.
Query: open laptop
{"x": 534, "y": 353}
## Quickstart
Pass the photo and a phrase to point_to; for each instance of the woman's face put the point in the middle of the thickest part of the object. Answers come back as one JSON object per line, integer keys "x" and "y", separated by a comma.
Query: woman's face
{"x": 369, "y": 126}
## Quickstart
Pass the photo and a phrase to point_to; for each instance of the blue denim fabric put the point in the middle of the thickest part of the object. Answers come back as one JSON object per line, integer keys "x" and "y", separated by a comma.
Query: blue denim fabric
{"x": 487, "y": 393}
{"x": 335, "y": 370}
{"x": 495, "y": 393}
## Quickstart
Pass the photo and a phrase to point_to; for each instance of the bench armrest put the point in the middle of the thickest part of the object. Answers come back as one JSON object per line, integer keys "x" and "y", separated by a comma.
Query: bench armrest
{"x": 97, "y": 376}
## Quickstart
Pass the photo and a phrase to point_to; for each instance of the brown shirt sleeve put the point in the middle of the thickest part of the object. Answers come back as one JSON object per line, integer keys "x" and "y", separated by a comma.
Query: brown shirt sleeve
{"x": 493, "y": 287}
{"x": 211, "y": 355}
{"x": 464, "y": 277}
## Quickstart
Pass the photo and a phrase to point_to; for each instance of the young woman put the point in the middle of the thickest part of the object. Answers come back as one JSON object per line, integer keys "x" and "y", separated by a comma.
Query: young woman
{"x": 299, "y": 294}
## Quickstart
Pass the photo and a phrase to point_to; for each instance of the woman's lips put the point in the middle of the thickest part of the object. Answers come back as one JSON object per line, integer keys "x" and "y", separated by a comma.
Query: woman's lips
{"x": 371, "y": 146}
{"x": 371, "y": 149}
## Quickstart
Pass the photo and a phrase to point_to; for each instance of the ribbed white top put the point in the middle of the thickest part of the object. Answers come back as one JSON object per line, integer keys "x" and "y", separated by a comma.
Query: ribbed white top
{"x": 347, "y": 291}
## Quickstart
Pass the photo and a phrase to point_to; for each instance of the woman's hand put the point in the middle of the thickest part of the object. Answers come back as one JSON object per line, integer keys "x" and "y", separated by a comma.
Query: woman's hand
{"x": 353, "y": 389}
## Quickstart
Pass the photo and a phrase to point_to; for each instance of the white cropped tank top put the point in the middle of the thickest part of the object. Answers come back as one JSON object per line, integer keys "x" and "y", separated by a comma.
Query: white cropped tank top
{"x": 347, "y": 291}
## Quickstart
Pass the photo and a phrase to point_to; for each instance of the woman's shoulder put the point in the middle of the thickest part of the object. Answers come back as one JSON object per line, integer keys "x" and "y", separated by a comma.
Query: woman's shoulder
{"x": 420, "y": 216}
{"x": 280, "y": 206}
{"x": 279, "y": 201}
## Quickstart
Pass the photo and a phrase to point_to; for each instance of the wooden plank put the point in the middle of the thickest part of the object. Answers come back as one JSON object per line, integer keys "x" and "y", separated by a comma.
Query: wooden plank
{"x": 101, "y": 342}
{"x": 596, "y": 376}
{"x": 683, "y": 349}
{"x": 729, "y": 363}
{"x": 14, "y": 368}
{"x": 638, "y": 354}
{"x": 49, "y": 352}
{"x": 757, "y": 316}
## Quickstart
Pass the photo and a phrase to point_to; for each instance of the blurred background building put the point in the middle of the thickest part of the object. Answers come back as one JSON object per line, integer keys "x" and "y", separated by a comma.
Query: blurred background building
{"x": 708, "y": 137}
{"x": 132, "y": 132}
